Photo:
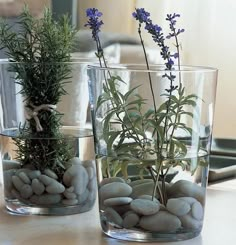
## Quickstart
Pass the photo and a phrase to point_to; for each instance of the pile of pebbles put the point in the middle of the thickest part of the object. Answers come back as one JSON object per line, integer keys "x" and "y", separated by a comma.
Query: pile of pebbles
{"x": 29, "y": 186}
{"x": 131, "y": 205}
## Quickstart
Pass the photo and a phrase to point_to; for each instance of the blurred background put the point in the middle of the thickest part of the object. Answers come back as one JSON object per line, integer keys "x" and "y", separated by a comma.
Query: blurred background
{"x": 209, "y": 40}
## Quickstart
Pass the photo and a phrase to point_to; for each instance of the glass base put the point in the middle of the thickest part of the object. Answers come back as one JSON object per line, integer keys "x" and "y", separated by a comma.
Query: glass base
{"x": 17, "y": 208}
{"x": 146, "y": 236}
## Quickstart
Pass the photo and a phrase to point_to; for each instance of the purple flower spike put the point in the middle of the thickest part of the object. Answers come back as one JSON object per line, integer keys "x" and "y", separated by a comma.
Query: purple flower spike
{"x": 141, "y": 15}
{"x": 94, "y": 23}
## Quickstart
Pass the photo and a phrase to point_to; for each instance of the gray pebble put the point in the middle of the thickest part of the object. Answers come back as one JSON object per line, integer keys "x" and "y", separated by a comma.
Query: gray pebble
{"x": 91, "y": 173}
{"x": 7, "y": 179}
{"x": 50, "y": 173}
{"x": 92, "y": 185}
{"x": 24, "y": 178}
{"x": 111, "y": 180}
{"x": 115, "y": 189}
{"x": 69, "y": 195}
{"x": 113, "y": 216}
{"x": 117, "y": 201}
{"x": 130, "y": 220}
{"x": 189, "y": 222}
{"x": 46, "y": 199}
{"x": 144, "y": 207}
{"x": 45, "y": 179}
{"x": 143, "y": 189}
{"x": 26, "y": 191}
{"x": 162, "y": 221}
{"x": 10, "y": 164}
{"x": 70, "y": 189}
{"x": 55, "y": 188}
{"x": 197, "y": 211}
{"x": 69, "y": 201}
{"x": 177, "y": 206}
{"x": 17, "y": 182}
{"x": 83, "y": 197}
{"x": 34, "y": 174}
{"x": 148, "y": 197}
{"x": 38, "y": 187}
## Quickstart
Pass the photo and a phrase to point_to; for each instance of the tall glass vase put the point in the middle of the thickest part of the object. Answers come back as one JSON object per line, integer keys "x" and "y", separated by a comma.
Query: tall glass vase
{"x": 48, "y": 168}
{"x": 152, "y": 131}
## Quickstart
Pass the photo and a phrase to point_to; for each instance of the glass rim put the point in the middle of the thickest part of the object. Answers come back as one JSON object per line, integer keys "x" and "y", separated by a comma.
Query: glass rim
{"x": 153, "y": 68}
{"x": 74, "y": 60}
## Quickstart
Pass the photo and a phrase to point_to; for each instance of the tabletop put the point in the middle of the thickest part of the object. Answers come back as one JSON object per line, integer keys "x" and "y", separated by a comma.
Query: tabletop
{"x": 84, "y": 229}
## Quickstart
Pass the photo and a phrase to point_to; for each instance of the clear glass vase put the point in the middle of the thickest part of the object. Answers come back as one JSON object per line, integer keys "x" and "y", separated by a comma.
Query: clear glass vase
{"x": 47, "y": 162}
{"x": 152, "y": 131}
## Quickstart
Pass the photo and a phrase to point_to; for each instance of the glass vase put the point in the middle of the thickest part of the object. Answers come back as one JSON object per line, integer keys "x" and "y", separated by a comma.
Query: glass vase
{"x": 152, "y": 132}
{"x": 47, "y": 162}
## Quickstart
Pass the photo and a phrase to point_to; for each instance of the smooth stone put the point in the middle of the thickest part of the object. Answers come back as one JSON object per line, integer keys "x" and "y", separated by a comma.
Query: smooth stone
{"x": 7, "y": 178}
{"x": 69, "y": 201}
{"x": 91, "y": 173}
{"x": 184, "y": 188}
{"x": 115, "y": 189}
{"x": 34, "y": 174}
{"x": 92, "y": 185}
{"x": 79, "y": 175}
{"x": 142, "y": 189}
{"x": 70, "y": 189}
{"x": 113, "y": 216}
{"x": 140, "y": 182}
{"x": 69, "y": 195}
{"x": 17, "y": 182}
{"x": 130, "y": 220}
{"x": 83, "y": 197}
{"x": 24, "y": 178}
{"x": 148, "y": 197}
{"x": 117, "y": 201}
{"x": 10, "y": 164}
{"x": 45, "y": 179}
{"x": 55, "y": 188}
{"x": 122, "y": 209}
{"x": 80, "y": 183}
{"x": 111, "y": 180}
{"x": 162, "y": 221}
{"x": 50, "y": 173}
{"x": 92, "y": 195}
{"x": 197, "y": 211}
{"x": 26, "y": 191}
{"x": 46, "y": 199}
{"x": 144, "y": 207}
{"x": 189, "y": 222}
{"x": 72, "y": 161}
{"x": 189, "y": 200}
{"x": 15, "y": 194}
{"x": 38, "y": 187}
{"x": 177, "y": 206}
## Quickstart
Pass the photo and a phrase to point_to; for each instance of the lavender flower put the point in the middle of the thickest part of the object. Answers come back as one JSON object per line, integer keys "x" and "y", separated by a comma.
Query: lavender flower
{"x": 172, "y": 19}
{"x": 141, "y": 15}
{"x": 94, "y": 23}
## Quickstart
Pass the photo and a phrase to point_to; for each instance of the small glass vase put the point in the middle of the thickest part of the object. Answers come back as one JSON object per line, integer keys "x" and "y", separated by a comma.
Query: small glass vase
{"x": 152, "y": 131}
{"x": 48, "y": 167}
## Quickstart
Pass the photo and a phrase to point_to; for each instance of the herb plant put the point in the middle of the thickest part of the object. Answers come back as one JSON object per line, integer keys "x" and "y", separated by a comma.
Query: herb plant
{"x": 128, "y": 143}
{"x": 39, "y": 54}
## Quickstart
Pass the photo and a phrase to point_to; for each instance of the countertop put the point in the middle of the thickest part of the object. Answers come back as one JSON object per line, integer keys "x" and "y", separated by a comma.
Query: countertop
{"x": 84, "y": 229}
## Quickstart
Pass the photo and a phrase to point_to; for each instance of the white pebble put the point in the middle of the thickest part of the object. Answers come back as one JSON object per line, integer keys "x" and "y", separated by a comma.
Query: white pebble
{"x": 189, "y": 222}
{"x": 69, "y": 195}
{"x": 55, "y": 188}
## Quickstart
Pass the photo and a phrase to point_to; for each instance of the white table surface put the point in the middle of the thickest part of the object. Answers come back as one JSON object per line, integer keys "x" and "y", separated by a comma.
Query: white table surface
{"x": 84, "y": 229}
